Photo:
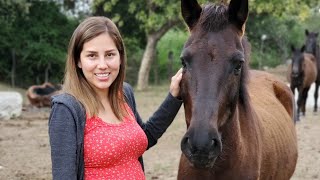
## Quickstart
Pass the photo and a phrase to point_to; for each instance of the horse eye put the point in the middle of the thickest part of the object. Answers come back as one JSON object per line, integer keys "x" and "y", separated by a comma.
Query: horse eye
{"x": 238, "y": 67}
{"x": 183, "y": 63}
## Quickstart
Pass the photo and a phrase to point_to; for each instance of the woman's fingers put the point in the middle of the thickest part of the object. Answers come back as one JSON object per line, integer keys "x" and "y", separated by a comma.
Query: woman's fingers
{"x": 175, "y": 83}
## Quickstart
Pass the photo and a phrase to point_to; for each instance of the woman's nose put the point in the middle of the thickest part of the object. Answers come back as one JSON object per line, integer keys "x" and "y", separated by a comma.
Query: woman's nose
{"x": 103, "y": 63}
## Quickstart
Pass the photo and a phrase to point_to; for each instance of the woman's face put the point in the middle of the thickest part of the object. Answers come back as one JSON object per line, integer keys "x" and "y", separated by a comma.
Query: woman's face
{"x": 100, "y": 62}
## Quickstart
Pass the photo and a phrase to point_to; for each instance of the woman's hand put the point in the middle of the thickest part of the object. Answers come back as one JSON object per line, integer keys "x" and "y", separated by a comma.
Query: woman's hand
{"x": 175, "y": 83}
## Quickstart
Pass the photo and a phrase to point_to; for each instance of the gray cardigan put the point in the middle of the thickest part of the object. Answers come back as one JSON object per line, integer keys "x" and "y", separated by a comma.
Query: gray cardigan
{"x": 66, "y": 131}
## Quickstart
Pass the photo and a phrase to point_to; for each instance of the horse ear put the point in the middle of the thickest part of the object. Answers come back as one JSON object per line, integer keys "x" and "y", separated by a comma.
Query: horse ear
{"x": 191, "y": 11}
{"x": 238, "y": 13}
{"x": 306, "y": 32}
{"x": 303, "y": 48}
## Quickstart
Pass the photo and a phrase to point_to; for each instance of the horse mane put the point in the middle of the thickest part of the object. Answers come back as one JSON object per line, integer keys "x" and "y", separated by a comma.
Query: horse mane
{"x": 214, "y": 18}
{"x": 243, "y": 91}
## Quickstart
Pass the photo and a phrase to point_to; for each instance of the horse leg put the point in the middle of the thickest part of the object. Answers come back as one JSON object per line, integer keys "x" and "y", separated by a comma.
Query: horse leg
{"x": 296, "y": 114}
{"x": 292, "y": 89}
{"x": 304, "y": 100}
{"x": 316, "y": 96}
{"x": 299, "y": 103}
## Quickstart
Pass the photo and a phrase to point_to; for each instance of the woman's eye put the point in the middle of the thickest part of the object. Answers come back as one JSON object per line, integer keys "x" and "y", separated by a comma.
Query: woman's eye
{"x": 91, "y": 55}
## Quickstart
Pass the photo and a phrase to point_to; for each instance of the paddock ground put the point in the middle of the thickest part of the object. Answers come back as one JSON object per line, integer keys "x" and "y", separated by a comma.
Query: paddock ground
{"x": 25, "y": 151}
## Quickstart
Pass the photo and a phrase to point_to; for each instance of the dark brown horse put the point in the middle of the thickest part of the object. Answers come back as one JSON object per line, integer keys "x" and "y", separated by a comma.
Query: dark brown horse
{"x": 239, "y": 122}
{"x": 301, "y": 74}
{"x": 312, "y": 47}
{"x": 40, "y": 95}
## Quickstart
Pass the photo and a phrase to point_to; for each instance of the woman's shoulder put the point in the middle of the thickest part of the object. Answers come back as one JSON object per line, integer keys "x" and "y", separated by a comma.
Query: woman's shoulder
{"x": 128, "y": 91}
{"x": 68, "y": 101}
{"x": 127, "y": 88}
{"x": 64, "y": 98}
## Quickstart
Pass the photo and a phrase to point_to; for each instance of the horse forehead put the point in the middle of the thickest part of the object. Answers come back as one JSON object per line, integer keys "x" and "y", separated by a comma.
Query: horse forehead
{"x": 221, "y": 40}
{"x": 312, "y": 37}
{"x": 297, "y": 56}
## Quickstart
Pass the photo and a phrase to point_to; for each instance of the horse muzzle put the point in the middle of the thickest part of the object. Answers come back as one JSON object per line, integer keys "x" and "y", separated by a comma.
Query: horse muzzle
{"x": 202, "y": 161}
{"x": 201, "y": 154}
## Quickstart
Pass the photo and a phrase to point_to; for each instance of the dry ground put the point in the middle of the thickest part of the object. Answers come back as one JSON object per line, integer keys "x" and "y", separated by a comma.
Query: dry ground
{"x": 25, "y": 151}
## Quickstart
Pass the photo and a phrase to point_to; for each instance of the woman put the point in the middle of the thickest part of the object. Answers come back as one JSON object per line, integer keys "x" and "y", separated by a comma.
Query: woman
{"x": 94, "y": 128}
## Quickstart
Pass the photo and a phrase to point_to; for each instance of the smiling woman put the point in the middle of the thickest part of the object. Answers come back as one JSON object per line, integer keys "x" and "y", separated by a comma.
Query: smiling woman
{"x": 95, "y": 130}
{"x": 100, "y": 62}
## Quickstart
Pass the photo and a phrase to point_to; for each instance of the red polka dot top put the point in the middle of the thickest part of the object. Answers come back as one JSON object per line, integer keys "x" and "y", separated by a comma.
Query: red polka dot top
{"x": 111, "y": 151}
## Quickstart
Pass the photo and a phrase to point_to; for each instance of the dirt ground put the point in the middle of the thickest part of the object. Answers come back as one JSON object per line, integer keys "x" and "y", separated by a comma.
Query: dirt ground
{"x": 25, "y": 150}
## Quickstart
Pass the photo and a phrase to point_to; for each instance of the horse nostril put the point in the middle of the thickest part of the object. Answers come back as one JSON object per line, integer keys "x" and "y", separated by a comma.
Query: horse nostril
{"x": 295, "y": 75}
{"x": 216, "y": 146}
{"x": 186, "y": 141}
{"x": 213, "y": 142}
{"x": 189, "y": 142}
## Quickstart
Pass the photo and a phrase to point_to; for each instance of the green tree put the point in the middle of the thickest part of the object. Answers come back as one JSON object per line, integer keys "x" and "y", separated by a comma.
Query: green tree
{"x": 10, "y": 11}
{"x": 37, "y": 41}
{"x": 48, "y": 39}
{"x": 153, "y": 18}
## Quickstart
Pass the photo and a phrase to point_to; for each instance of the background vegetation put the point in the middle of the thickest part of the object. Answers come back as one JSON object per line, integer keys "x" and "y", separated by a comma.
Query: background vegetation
{"x": 34, "y": 34}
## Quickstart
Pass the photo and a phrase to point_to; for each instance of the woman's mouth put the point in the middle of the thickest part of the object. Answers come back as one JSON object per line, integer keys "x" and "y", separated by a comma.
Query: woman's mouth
{"x": 102, "y": 76}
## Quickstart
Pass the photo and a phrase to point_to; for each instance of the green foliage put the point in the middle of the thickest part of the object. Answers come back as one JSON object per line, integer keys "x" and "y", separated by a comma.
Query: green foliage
{"x": 122, "y": 14}
{"x": 284, "y": 8}
{"x": 37, "y": 38}
{"x": 37, "y": 33}
{"x": 281, "y": 34}
{"x": 171, "y": 42}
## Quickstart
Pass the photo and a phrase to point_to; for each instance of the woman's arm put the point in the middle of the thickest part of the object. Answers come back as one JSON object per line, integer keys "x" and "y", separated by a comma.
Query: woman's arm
{"x": 161, "y": 119}
{"x": 63, "y": 142}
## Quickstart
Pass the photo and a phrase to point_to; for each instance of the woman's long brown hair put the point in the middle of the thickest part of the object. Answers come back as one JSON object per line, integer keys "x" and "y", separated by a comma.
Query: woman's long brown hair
{"x": 74, "y": 81}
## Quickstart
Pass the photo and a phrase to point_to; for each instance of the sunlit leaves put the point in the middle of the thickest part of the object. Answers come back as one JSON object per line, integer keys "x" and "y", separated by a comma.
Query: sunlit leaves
{"x": 283, "y": 8}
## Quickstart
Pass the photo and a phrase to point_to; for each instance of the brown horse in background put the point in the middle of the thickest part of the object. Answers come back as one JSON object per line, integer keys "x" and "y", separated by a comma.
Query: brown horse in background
{"x": 239, "y": 122}
{"x": 301, "y": 74}
{"x": 40, "y": 95}
{"x": 312, "y": 47}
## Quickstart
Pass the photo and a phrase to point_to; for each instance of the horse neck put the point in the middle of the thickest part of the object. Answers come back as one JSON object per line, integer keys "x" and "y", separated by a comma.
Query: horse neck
{"x": 317, "y": 56}
{"x": 240, "y": 132}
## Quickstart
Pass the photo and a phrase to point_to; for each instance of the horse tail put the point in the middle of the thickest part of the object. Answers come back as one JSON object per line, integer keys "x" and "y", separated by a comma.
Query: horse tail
{"x": 286, "y": 98}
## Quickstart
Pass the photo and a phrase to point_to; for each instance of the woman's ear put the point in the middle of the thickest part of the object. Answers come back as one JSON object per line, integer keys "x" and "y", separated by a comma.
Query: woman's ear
{"x": 79, "y": 64}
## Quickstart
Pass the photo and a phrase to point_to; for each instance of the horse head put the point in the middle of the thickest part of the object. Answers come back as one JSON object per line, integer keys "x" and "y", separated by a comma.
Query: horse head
{"x": 297, "y": 69}
{"x": 311, "y": 42}
{"x": 215, "y": 61}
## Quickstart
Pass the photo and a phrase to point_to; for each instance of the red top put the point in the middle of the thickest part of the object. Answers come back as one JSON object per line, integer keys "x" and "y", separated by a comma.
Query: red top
{"x": 111, "y": 151}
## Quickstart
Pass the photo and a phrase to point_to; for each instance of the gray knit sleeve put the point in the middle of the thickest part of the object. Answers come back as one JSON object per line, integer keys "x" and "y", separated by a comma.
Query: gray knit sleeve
{"x": 62, "y": 136}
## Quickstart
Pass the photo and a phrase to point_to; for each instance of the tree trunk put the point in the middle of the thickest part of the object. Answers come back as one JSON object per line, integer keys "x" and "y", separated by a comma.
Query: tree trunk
{"x": 46, "y": 73}
{"x": 146, "y": 62}
{"x": 149, "y": 53}
{"x": 13, "y": 68}
{"x": 156, "y": 69}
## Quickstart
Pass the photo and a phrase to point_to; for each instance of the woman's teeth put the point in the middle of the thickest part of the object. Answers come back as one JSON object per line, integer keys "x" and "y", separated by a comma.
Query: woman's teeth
{"x": 103, "y": 75}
